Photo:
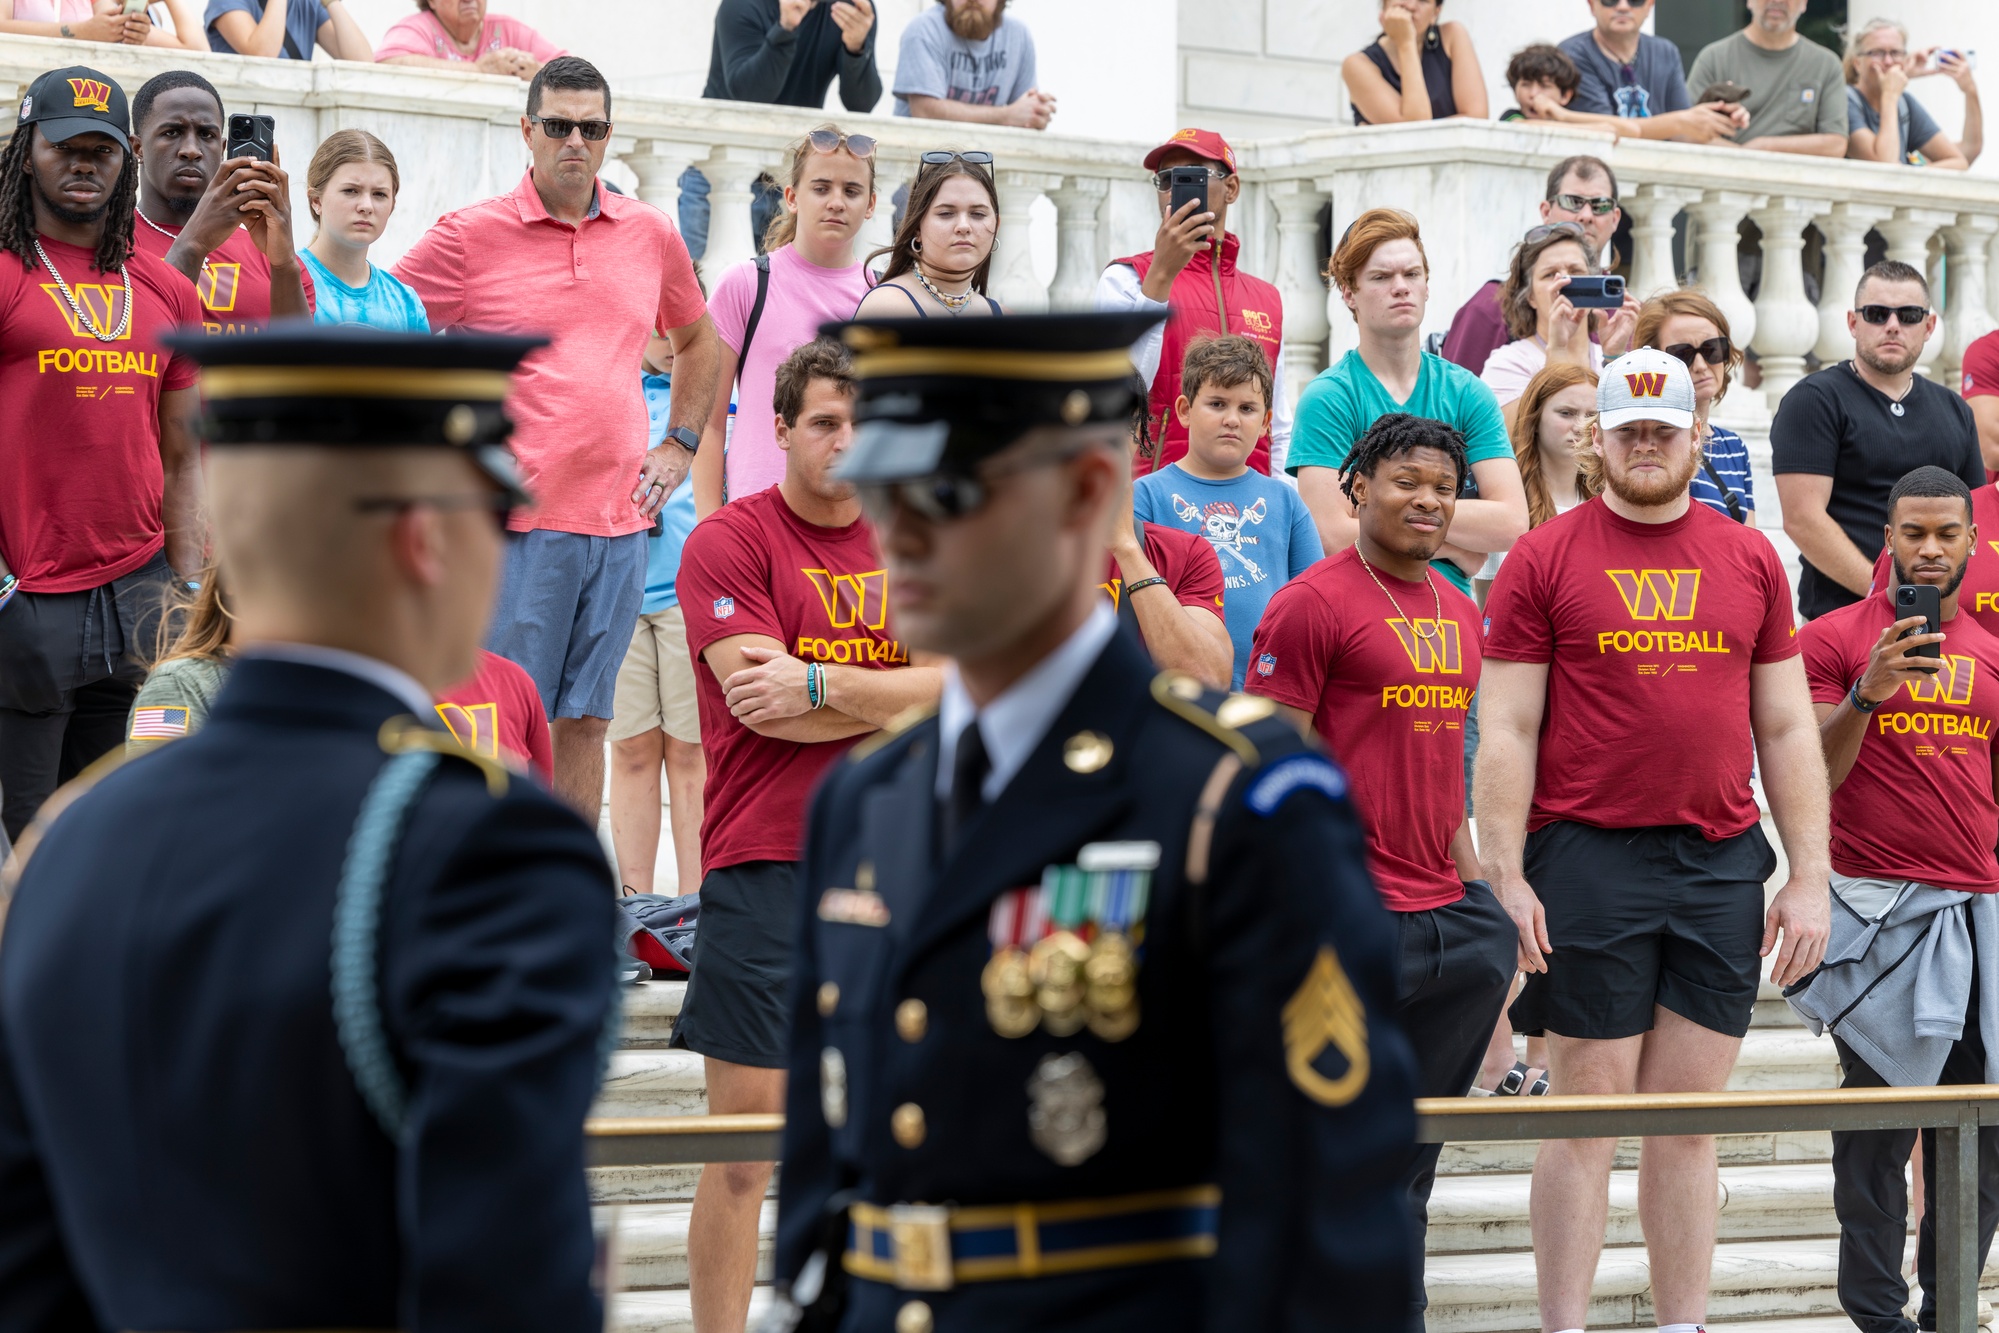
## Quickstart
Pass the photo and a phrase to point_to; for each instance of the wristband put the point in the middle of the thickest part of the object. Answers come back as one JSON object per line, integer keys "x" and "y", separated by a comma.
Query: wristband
{"x": 9, "y": 585}
{"x": 811, "y": 684}
{"x": 1860, "y": 704}
{"x": 1143, "y": 584}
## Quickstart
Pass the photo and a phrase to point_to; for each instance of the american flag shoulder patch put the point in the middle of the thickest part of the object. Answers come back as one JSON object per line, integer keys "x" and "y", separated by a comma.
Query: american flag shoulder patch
{"x": 158, "y": 724}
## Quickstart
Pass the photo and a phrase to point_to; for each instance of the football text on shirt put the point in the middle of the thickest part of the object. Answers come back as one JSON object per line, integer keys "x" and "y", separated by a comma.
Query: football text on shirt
{"x": 1654, "y": 595}
{"x": 1433, "y": 646}
{"x": 851, "y": 601}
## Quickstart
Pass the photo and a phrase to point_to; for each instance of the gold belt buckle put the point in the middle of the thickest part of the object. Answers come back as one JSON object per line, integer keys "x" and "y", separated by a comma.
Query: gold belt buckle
{"x": 919, "y": 1238}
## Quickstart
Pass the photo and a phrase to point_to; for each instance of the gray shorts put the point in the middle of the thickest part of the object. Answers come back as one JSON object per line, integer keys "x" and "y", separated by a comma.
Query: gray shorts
{"x": 565, "y": 614}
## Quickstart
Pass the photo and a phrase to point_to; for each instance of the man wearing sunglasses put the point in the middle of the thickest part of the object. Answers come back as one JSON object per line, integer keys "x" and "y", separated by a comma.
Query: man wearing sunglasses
{"x": 1582, "y": 190}
{"x": 1021, "y": 913}
{"x": 598, "y": 272}
{"x": 1843, "y": 437}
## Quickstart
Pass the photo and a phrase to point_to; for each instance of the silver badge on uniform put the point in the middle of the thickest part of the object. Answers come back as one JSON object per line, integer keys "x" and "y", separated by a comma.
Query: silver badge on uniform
{"x": 833, "y": 1086}
{"x": 1066, "y": 1117}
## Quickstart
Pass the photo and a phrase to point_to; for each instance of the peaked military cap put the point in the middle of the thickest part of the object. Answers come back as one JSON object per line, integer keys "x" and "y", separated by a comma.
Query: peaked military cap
{"x": 345, "y": 386}
{"x": 939, "y": 395}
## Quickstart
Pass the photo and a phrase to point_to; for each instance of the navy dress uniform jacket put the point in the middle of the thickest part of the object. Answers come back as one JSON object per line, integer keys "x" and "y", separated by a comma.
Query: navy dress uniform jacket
{"x": 182, "y": 1145}
{"x": 1314, "y": 1232}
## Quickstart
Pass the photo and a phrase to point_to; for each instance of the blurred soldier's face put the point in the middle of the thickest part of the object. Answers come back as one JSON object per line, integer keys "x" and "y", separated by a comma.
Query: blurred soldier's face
{"x": 980, "y": 586}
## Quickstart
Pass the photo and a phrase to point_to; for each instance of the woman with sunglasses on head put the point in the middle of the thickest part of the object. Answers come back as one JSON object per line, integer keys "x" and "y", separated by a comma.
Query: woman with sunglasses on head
{"x": 1686, "y": 325}
{"x": 768, "y": 307}
{"x": 1548, "y": 328}
{"x": 942, "y": 256}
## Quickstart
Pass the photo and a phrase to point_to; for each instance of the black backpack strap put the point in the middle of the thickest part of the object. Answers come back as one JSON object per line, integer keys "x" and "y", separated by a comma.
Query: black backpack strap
{"x": 1728, "y": 497}
{"x": 756, "y": 313}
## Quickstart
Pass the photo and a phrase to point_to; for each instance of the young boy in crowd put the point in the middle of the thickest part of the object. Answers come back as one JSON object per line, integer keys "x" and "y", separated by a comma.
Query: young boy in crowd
{"x": 1261, "y": 531}
{"x": 1544, "y": 81}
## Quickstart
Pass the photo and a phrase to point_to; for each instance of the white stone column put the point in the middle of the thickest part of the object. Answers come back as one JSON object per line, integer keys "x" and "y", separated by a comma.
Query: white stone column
{"x": 1299, "y": 281}
{"x": 878, "y": 232}
{"x": 1845, "y": 228}
{"x": 1014, "y": 284}
{"x": 732, "y": 172}
{"x": 659, "y": 164}
{"x": 1652, "y": 210}
{"x": 1077, "y": 201}
{"x": 1720, "y": 213}
{"x": 1908, "y": 234}
{"x": 1967, "y": 317}
{"x": 1786, "y": 323}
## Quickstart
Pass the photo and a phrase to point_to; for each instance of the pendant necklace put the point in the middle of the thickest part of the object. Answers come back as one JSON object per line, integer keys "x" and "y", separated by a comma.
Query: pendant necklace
{"x": 954, "y": 304}
{"x": 1416, "y": 627}
{"x": 169, "y": 235}
{"x": 83, "y": 319}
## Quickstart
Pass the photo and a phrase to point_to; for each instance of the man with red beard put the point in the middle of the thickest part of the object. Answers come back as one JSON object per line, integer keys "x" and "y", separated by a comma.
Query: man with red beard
{"x": 1639, "y": 653}
{"x": 965, "y": 60}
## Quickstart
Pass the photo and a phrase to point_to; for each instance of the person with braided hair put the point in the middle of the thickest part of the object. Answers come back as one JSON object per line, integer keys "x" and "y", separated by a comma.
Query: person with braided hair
{"x": 1378, "y": 654}
{"x": 103, "y": 496}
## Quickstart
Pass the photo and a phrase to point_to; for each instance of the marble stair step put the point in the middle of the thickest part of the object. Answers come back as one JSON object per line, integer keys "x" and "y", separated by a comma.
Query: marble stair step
{"x": 1489, "y": 1213}
{"x": 668, "y": 1311}
{"x": 650, "y": 1082}
{"x": 652, "y": 1244}
{"x": 650, "y": 1008}
{"x": 1752, "y": 1280}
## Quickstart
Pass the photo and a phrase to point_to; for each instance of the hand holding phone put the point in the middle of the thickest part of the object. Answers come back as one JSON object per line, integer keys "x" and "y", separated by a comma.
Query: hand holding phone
{"x": 1601, "y": 291}
{"x": 251, "y": 136}
{"x": 1725, "y": 91}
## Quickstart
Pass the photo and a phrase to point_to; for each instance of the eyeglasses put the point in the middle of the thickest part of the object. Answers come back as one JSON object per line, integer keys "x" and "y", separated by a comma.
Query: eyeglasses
{"x": 832, "y": 141}
{"x": 939, "y": 157}
{"x": 555, "y": 127}
{"x": 497, "y": 503}
{"x": 1894, "y": 57}
{"x": 1908, "y": 315}
{"x": 1599, "y": 204}
{"x": 1621, "y": 4}
{"x": 1162, "y": 180}
{"x": 1714, "y": 351}
{"x": 1573, "y": 230}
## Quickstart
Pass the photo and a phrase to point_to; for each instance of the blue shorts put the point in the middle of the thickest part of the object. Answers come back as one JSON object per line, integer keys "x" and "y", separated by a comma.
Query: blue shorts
{"x": 565, "y": 614}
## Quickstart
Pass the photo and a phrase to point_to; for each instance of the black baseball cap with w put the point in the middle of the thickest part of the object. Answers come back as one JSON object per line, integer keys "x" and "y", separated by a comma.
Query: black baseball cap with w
{"x": 77, "y": 100}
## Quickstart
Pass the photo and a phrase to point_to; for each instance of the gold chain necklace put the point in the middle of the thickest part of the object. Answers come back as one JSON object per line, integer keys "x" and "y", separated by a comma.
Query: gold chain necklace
{"x": 1415, "y": 627}
{"x": 171, "y": 236}
{"x": 83, "y": 319}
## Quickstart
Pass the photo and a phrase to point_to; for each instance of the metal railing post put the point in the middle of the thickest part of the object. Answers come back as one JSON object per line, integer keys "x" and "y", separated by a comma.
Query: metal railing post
{"x": 1956, "y": 1223}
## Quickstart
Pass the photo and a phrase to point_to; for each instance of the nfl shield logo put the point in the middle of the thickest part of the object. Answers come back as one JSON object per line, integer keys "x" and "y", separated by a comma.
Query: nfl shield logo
{"x": 1266, "y": 664}
{"x": 724, "y": 607}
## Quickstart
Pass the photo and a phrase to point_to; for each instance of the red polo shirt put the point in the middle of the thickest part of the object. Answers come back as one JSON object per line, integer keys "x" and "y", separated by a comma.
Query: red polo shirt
{"x": 505, "y": 266}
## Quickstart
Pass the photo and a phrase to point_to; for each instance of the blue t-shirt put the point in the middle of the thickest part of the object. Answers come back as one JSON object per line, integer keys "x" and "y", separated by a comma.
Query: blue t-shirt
{"x": 1261, "y": 531}
{"x": 1916, "y": 126}
{"x": 302, "y": 23}
{"x": 676, "y": 516}
{"x": 1653, "y": 84}
{"x": 387, "y": 302}
{"x": 1730, "y": 457}
{"x": 1345, "y": 399}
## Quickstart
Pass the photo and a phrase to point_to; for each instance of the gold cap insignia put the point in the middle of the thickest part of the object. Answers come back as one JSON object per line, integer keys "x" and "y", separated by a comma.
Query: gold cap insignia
{"x": 1087, "y": 751}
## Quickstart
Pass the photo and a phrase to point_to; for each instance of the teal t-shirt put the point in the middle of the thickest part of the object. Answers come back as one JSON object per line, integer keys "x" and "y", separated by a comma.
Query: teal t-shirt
{"x": 1343, "y": 400}
{"x": 387, "y": 302}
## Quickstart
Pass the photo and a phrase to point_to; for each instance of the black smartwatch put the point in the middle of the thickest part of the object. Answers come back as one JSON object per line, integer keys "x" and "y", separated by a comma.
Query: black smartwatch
{"x": 685, "y": 437}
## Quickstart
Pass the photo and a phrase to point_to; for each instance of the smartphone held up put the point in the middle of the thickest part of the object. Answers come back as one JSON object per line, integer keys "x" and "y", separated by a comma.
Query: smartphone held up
{"x": 252, "y": 136}
{"x": 1925, "y": 600}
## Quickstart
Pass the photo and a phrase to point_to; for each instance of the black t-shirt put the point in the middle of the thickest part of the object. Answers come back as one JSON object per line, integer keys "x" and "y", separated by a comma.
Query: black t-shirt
{"x": 1835, "y": 424}
{"x": 755, "y": 59}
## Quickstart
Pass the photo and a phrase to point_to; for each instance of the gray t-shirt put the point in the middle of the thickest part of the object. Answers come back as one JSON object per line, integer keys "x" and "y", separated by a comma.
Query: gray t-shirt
{"x": 1653, "y": 86}
{"x": 1917, "y": 126}
{"x": 1800, "y": 90}
{"x": 936, "y": 62}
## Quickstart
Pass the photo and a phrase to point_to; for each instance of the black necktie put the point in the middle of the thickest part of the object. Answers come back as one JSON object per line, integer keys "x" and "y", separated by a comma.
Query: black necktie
{"x": 968, "y": 779}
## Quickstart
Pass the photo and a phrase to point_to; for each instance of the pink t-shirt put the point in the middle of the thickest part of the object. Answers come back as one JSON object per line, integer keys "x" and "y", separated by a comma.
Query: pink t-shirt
{"x": 53, "y": 11}
{"x": 802, "y": 296}
{"x": 422, "y": 35}
{"x": 580, "y": 427}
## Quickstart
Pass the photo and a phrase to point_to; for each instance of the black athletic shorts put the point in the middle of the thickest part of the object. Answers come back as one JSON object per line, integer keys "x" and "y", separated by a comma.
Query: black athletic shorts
{"x": 1639, "y": 917}
{"x": 734, "y": 1009}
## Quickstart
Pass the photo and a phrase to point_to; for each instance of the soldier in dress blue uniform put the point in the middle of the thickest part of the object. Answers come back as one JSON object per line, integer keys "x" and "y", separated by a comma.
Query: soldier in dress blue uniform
{"x": 300, "y": 1016}
{"x": 1091, "y": 991}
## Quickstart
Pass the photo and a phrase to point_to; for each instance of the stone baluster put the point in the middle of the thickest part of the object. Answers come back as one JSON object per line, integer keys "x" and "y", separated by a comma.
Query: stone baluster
{"x": 1967, "y": 317}
{"x": 1013, "y": 283}
{"x": 732, "y": 172}
{"x": 1908, "y": 235}
{"x": 1720, "y": 214}
{"x": 878, "y": 232}
{"x": 1652, "y": 210}
{"x": 1787, "y": 325}
{"x": 659, "y": 165}
{"x": 1078, "y": 201}
{"x": 1342, "y": 334}
{"x": 1299, "y": 281}
{"x": 1845, "y": 228}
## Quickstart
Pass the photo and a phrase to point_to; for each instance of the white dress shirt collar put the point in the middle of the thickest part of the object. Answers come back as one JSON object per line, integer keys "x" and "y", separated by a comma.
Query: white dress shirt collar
{"x": 393, "y": 680}
{"x": 1014, "y": 722}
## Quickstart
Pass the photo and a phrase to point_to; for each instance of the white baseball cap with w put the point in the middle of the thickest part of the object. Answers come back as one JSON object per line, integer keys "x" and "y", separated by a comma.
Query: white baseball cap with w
{"x": 1645, "y": 384}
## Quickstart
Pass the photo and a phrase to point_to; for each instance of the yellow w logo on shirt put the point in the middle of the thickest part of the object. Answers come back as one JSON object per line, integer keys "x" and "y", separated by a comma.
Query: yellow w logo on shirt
{"x": 1432, "y": 645}
{"x": 218, "y": 286}
{"x": 103, "y": 303}
{"x": 1950, "y": 685}
{"x": 1652, "y": 593}
{"x": 852, "y": 599}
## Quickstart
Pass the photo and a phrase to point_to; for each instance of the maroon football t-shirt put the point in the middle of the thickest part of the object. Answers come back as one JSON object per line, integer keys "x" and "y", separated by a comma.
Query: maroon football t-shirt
{"x": 1192, "y": 570}
{"x": 1387, "y": 673}
{"x": 1648, "y": 631}
{"x": 235, "y": 284}
{"x": 1918, "y": 802}
{"x": 754, "y": 567}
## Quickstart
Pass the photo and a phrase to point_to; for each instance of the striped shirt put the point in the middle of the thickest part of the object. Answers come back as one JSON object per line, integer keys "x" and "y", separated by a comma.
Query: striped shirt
{"x": 1730, "y": 459}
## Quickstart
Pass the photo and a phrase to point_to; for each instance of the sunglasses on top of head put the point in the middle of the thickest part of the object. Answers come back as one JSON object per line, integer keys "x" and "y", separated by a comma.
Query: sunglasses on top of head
{"x": 1907, "y": 315}
{"x": 1714, "y": 351}
{"x": 831, "y": 141}
{"x": 555, "y": 127}
{"x": 938, "y": 157}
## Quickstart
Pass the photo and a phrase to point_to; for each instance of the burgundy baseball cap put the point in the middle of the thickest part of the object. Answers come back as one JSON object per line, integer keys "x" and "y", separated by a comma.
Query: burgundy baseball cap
{"x": 1202, "y": 143}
